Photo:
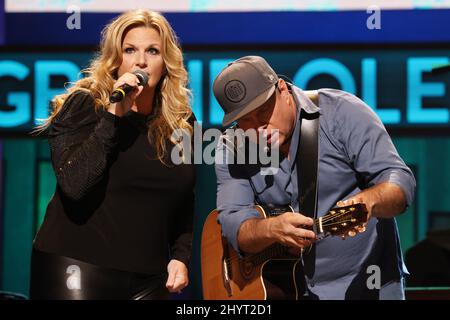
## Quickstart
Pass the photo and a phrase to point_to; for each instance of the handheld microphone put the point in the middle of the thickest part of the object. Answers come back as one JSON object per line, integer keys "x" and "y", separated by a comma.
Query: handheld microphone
{"x": 125, "y": 89}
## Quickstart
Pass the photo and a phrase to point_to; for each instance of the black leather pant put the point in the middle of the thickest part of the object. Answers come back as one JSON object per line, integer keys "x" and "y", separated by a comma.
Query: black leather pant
{"x": 57, "y": 277}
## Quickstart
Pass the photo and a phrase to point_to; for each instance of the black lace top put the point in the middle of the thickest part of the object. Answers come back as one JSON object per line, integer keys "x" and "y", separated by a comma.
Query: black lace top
{"x": 115, "y": 205}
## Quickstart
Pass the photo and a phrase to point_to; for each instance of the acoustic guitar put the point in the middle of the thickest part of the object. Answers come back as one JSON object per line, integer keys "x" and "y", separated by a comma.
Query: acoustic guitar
{"x": 272, "y": 273}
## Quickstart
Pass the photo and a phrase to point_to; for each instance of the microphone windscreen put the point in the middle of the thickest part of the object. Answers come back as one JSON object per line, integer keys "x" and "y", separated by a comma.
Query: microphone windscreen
{"x": 142, "y": 76}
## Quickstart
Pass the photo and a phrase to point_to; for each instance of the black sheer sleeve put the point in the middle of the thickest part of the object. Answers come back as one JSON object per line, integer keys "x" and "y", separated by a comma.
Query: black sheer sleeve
{"x": 81, "y": 142}
{"x": 181, "y": 243}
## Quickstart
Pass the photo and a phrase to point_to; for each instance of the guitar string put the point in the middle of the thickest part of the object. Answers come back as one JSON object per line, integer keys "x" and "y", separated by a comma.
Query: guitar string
{"x": 277, "y": 246}
{"x": 316, "y": 221}
{"x": 269, "y": 250}
{"x": 333, "y": 216}
{"x": 337, "y": 222}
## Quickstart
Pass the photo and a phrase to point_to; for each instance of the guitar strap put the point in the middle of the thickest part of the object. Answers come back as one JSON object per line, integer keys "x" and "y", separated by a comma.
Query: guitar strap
{"x": 307, "y": 170}
{"x": 307, "y": 164}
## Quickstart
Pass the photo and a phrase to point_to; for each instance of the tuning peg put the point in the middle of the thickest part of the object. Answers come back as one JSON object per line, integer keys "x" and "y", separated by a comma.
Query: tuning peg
{"x": 361, "y": 228}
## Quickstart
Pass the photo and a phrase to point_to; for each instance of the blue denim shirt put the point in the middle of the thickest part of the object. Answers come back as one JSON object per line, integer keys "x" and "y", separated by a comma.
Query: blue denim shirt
{"x": 355, "y": 152}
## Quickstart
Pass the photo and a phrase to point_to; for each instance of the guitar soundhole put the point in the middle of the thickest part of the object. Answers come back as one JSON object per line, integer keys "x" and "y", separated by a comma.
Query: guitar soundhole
{"x": 247, "y": 269}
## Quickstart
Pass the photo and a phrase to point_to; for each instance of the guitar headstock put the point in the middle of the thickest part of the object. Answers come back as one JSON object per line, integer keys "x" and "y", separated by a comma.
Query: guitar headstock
{"x": 339, "y": 221}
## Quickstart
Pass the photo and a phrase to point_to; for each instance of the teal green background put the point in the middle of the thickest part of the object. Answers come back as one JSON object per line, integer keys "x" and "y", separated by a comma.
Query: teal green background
{"x": 30, "y": 183}
{"x": 27, "y": 180}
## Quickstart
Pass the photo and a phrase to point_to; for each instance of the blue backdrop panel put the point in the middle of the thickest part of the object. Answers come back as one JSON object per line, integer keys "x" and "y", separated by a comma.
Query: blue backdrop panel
{"x": 2, "y": 22}
{"x": 246, "y": 28}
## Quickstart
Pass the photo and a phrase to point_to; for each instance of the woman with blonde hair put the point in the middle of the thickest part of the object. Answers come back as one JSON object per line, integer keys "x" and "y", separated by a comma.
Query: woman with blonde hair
{"x": 119, "y": 225}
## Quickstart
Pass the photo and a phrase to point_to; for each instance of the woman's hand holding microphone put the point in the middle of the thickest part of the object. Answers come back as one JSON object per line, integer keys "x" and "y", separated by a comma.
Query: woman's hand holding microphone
{"x": 125, "y": 91}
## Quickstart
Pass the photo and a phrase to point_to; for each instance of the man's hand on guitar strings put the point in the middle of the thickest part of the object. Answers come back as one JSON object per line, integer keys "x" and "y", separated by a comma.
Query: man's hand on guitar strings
{"x": 290, "y": 229}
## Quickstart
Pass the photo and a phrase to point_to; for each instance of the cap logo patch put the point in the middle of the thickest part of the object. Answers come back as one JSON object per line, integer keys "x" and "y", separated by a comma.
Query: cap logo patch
{"x": 235, "y": 91}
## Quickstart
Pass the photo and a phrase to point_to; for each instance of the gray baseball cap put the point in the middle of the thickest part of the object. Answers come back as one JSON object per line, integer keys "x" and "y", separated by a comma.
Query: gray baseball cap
{"x": 244, "y": 85}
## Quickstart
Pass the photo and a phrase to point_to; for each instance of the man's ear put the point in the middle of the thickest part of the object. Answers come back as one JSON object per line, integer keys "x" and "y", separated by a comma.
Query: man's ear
{"x": 284, "y": 90}
{"x": 282, "y": 86}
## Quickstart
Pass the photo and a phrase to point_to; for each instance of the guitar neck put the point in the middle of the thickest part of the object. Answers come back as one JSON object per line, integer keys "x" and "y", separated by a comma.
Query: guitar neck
{"x": 275, "y": 250}
{"x": 336, "y": 221}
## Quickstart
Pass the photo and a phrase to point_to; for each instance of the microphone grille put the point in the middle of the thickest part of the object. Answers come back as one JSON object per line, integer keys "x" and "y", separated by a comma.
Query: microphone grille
{"x": 142, "y": 76}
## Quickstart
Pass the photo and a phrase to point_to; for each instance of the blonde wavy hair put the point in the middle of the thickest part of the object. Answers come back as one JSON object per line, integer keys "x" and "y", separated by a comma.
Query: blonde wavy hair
{"x": 172, "y": 97}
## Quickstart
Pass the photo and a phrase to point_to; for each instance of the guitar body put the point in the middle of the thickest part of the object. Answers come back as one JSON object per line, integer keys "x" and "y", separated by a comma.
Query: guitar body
{"x": 226, "y": 276}
{"x": 271, "y": 273}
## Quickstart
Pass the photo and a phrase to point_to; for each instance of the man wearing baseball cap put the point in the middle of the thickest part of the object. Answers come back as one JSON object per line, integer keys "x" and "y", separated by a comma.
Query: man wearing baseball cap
{"x": 357, "y": 163}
